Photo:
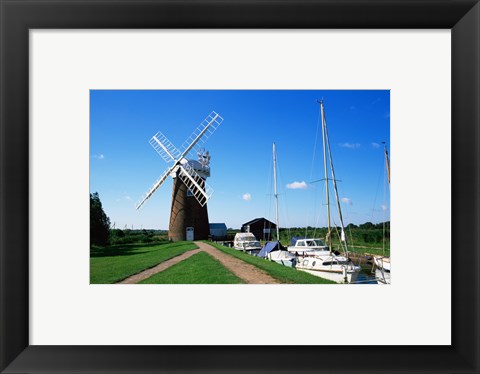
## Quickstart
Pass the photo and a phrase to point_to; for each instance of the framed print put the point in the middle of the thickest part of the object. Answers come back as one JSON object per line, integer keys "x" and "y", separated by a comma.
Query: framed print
{"x": 53, "y": 319}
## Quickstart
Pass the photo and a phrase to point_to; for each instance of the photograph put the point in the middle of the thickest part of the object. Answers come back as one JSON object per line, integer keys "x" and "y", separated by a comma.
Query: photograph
{"x": 240, "y": 187}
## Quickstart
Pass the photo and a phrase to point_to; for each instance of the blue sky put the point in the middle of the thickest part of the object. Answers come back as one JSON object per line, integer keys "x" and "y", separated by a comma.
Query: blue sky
{"x": 123, "y": 165}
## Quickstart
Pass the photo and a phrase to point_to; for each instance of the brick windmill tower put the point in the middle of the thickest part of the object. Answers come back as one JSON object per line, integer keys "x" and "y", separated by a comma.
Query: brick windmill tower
{"x": 188, "y": 215}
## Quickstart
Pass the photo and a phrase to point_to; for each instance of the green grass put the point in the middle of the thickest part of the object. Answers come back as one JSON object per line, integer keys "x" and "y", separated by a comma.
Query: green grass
{"x": 114, "y": 263}
{"x": 369, "y": 249}
{"x": 282, "y": 273}
{"x": 201, "y": 268}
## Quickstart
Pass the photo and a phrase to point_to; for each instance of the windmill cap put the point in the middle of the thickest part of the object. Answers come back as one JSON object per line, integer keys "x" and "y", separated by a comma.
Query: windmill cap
{"x": 204, "y": 171}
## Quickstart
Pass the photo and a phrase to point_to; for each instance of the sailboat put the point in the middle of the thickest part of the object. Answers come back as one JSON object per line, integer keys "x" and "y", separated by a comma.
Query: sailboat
{"x": 382, "y": 263}
{"x": 323, "y": 261}
{"x": 274, "y": 251}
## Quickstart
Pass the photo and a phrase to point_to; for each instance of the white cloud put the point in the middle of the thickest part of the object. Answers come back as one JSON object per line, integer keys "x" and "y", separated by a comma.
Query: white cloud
{"x": 375, "y": 145}
{"x": 99, "y": 157}
{"x": 346, "y": 200}
{"x": 124, "y": 197}
{"x": 297, "y": 185}
{"x": 384, "y": 207}
{"x": 350, "y": 145}
{"x": 246, "y": 196}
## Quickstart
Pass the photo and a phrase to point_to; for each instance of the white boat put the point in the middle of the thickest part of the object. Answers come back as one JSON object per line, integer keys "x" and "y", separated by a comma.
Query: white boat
{"x": 322, "y": 261}
{"x": 382, "y": 263}
{"x": 246, "y": 242}
{"x": 282, "y": 257}
{"x": 274, "y": 251}
{"x": 382, "y": 269}
{"x": 308, "y": 247}
{"x": 314, "y": 257}
{"x": 338, "y": 269}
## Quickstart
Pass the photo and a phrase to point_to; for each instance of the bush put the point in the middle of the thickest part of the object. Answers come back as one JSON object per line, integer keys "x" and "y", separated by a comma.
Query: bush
{"x": 99, "y": 222}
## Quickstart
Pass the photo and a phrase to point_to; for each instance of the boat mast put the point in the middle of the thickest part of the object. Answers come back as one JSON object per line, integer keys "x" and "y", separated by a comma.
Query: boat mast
{"x": 327, "y": 238}
{"x": 334, "y": 180}
{"x": 387, "y": 161}
{"x": 275, "y": 190}
{"x": 387, "y": 166}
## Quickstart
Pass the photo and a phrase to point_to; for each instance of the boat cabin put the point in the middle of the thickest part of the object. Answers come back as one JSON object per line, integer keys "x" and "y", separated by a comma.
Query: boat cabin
{"x": 247, "y": 242}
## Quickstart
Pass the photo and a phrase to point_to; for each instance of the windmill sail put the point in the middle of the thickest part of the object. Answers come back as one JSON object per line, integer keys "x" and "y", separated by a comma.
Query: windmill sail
{"x": 186, "y": 173}
{"x": 201, "y": 134}
{"x": 155, "y": 186}
{"x": 164, "y": 147}
{"x": 195, "y": 183}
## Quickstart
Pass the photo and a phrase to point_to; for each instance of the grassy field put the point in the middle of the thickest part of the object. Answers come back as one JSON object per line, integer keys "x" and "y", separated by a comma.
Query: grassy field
{"x": 282, "y": 273}
{"x": 114, "y": 263}
{"x": 201, "y": 268}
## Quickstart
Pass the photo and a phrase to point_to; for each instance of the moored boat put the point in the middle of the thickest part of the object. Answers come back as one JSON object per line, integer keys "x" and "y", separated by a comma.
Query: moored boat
{"x": 338, "y": 269}
{"x": 303, "y": 246}
{"x": 321, "y": 260}
{"x": 382, "y": 269}
{"x": 382, "y": 263}
{"x": 246, "y": 242}
{"x": 274, "y": 251}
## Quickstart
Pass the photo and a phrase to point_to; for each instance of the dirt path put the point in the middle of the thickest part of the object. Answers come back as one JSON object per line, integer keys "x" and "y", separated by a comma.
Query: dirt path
{"x": 249, "y": 273}
{"x": 160, "y": 267}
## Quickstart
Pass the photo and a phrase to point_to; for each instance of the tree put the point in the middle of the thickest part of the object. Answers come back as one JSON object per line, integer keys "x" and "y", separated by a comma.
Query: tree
{"x": 99, "y": 222}
{"x": 367, "y": 225}
{"x": 118, "y": 233}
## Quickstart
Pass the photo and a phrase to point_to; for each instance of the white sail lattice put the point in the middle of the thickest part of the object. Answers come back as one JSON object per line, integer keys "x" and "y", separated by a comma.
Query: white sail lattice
{"x": 181, "y": 168}
{"x": 164, "y": 147}
{"x": 195, "y": 183}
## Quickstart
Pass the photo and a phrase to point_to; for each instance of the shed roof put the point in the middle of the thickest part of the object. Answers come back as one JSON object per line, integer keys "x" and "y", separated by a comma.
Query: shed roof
{"x": 256, "y": 220}
{"x": 217, "y": 226}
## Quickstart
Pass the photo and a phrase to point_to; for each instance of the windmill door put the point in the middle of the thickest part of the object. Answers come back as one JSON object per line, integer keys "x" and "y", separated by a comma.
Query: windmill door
{"x": 190, "y": 233}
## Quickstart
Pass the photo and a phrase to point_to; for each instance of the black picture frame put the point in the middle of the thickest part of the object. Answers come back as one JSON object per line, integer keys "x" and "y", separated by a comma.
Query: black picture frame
{"x": 17, "y": 17}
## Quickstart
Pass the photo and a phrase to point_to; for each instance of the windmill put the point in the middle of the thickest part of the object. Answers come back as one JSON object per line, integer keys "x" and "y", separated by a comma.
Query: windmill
{"x": 188, "y": 215}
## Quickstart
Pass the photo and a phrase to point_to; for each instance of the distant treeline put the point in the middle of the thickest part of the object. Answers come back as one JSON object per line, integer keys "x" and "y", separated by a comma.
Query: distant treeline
{"x": 128, "y": 236}
{"x": 101, "y": 233}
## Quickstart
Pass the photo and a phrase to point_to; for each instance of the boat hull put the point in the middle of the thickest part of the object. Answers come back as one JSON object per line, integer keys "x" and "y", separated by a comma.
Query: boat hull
{"x": 337, "y": 277}
{"x": 335, "y": 268}
{"x": 282, "y": 257}
{"x": 382, "y": 271}
{"x": 249, "y": 250}
{"x": 287, "y": 263}
{"x": 382, "y": 276}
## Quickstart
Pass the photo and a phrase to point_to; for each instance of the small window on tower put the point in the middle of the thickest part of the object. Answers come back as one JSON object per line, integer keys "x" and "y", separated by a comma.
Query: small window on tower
{"x": 189, "y": 193}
